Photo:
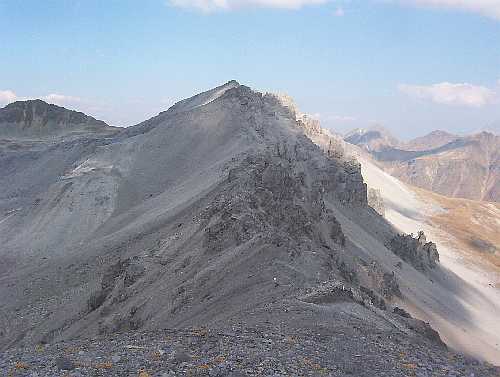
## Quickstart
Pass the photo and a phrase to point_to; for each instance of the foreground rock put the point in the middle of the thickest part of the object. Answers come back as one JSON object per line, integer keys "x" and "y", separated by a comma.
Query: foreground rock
{"x": 259, "y": 351}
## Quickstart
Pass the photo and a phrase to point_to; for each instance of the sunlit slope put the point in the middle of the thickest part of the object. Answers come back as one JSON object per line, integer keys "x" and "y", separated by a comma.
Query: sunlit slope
{"x": 466, "y": 233}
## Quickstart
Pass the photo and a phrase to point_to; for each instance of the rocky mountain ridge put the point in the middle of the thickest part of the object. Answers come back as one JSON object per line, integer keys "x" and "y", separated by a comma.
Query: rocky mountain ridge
{"x": 219, "y": 211}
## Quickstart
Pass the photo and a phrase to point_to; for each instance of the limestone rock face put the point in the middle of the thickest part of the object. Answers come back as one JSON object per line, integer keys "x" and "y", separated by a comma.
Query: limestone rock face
{"x": 354, "y": 189}
{"x": 417, "y": 251}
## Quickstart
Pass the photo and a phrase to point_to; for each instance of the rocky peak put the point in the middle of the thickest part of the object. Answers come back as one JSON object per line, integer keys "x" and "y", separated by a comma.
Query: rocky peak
{"x": 432, "y": 140}
{"x": 372, "y": 139}
{"x": 439, "y": 133}
{"x": 202, "y": 99}
{"x": 36, "y": 118}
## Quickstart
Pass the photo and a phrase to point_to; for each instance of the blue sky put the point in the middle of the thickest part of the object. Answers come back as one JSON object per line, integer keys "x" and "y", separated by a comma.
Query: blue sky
{"x": 409, "y": 65}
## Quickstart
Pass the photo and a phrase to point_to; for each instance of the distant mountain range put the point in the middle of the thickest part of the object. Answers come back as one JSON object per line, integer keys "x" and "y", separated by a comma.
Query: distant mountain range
{"x": 455, "y": 166}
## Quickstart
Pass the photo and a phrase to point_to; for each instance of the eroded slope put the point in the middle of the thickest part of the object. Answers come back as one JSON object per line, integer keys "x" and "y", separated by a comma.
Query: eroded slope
{"x": 218, "y": 211}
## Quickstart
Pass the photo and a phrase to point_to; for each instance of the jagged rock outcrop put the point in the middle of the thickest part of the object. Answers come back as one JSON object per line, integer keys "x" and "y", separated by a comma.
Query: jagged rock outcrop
{"x": 416, "y": 251}
{"x": 272, "y": 195}
{"x": 354, "y": 190}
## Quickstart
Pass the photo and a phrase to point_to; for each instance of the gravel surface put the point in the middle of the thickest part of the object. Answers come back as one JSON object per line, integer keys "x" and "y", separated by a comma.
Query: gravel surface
{"x": 262, "y": 351}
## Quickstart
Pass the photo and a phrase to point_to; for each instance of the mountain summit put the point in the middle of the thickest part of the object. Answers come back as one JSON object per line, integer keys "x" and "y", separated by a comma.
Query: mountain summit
{"x": 371, "y": 139}
{"x": 38, "y": 119}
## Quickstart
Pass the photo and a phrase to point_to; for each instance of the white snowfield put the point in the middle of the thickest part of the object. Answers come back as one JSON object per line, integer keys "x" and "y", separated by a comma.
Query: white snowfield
{"x": 470, "y": 321}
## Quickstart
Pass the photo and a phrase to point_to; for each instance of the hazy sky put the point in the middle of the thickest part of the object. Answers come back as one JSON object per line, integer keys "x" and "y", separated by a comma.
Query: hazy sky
{"x": 409, "y": 65}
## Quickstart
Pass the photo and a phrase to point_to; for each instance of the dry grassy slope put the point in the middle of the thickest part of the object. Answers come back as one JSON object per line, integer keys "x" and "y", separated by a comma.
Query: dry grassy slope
{"x": 467, "y": 236}
{"x": 475, "y": 227}
{"x": 468, "y": 277}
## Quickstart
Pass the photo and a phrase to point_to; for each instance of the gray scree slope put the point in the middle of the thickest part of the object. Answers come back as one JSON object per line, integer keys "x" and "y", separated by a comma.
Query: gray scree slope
{"x": 219, "y": 211}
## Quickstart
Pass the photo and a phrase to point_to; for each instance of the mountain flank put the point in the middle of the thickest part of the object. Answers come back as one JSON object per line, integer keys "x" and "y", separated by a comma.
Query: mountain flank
{"x": 218, "y": 216}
